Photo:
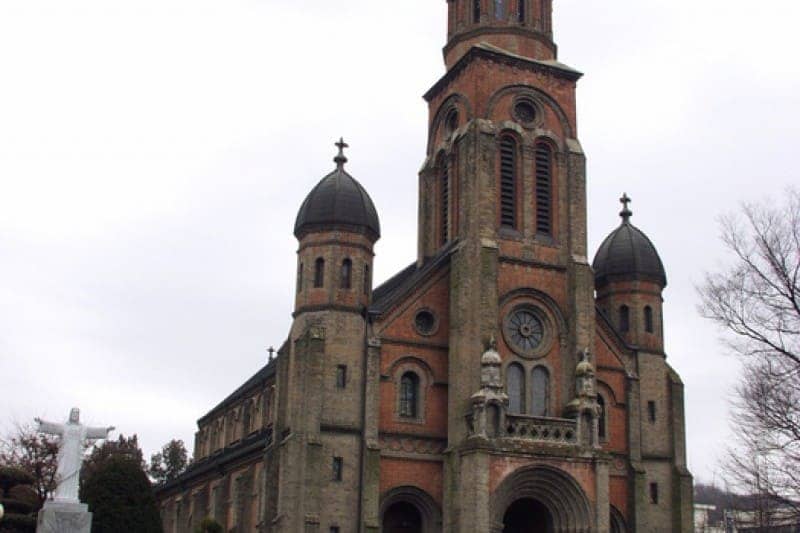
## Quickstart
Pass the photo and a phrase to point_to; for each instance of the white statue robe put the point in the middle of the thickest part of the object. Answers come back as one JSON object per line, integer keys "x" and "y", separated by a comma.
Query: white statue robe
{"x": 70, "y": 455}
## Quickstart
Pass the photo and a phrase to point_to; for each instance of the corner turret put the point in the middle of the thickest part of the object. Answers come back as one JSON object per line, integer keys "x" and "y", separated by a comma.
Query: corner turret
{"x": 629, "y": 279}
{"x": 337, "y": 227}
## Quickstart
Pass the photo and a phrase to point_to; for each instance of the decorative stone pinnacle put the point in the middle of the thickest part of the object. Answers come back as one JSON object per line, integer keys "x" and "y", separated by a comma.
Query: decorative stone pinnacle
{"x": 492, "y": 343}
{"x": 626, "y": 213}
{"x": 340, "y": 159}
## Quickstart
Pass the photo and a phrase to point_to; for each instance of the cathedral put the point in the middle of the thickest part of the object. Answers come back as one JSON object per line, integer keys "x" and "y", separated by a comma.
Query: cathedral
{"x": 498, "y": 383}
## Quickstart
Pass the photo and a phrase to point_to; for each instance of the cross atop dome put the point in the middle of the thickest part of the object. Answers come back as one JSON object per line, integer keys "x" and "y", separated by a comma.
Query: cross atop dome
{"x": 340, "y": 159}
{"x": 626, "y": 213}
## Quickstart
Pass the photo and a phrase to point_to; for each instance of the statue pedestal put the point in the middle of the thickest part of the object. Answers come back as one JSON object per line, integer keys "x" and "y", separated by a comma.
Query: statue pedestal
{"x": 64, "y": 517}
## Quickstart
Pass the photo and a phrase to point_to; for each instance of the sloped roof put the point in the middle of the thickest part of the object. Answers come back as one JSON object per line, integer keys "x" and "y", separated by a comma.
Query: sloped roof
{"x": 399, "y": 285}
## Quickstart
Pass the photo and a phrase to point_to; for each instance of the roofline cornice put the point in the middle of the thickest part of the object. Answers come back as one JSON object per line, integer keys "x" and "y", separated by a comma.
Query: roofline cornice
{"x": 499, "y": 56}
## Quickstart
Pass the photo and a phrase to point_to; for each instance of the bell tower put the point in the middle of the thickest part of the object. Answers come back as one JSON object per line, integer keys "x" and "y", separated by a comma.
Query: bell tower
{"x": 523, "y": 27}
{"x": 503, "y": 192}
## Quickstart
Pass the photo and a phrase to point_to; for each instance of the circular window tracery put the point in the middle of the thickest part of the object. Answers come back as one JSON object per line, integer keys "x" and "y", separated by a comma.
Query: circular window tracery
{"x": 425, "y": 322}
{"x": 525, "y": 111}
{"x": 525, "y": 330}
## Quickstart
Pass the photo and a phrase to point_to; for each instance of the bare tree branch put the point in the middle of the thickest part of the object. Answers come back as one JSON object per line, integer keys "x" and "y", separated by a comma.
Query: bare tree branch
{"x": 755, "y": 299}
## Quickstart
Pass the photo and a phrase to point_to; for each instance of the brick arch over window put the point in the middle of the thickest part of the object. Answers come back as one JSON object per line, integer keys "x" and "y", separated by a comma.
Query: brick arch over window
{"x": 400, "y": 370}
{"x": 555, "y": 489}
{"x": 431, "y": 514}
{"x": 540, "y": 96}
{"x": 455, "y": 101}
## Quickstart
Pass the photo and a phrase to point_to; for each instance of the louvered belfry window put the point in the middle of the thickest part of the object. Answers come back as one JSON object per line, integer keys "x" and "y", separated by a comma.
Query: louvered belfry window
{"x": 444, "y": 200}
{"x": 508, "y": 182}
{"x": 544, "y": 188}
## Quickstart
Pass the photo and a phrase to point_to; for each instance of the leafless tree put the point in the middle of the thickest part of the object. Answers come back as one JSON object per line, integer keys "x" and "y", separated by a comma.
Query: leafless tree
{"x": 34, "y": 453}
{"x": 756, "y": 300}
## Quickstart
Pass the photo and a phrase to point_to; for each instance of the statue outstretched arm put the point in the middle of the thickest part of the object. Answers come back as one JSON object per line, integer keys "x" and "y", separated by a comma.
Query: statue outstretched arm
{"x": 98, "y": 433}
{"x": 51, "y": 428}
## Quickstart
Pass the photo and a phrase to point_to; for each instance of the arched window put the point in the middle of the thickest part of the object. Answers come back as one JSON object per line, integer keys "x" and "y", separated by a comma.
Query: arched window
{"x": 601, "y": 420}
{"x": 544, "y": 189}
{"x": 345, "y": 280}
{"x": 367, "y": 280}
{"x": 648, "y": 319}
{"x": 300, "y": 277}
{"x": 540, "y": 391}
{"x": 515, "y": 385}
{"x": 499, "y": 9}
{"x": 409, "y": 395}
{"x": 269, "y": 402}
{"x": 319, "y": 272}
{"x": 508, "y": 182}
{"x": 246, "y": 418}
{"x": 444, "y": 200}
{"x": 521, "y": 11}
{"x": 624, "y": 318}
{"x": 476, "y": 11}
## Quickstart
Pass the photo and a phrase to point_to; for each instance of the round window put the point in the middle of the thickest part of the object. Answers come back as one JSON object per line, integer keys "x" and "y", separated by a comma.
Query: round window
{"x": 425, "y": 322}
{"x": 524, "y": 111}
{"x": 525, "y": 331}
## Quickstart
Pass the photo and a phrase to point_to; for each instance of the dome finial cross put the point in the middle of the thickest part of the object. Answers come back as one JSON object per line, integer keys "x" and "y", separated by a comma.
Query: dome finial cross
{"x": 340, "y": 159}
{"x": 626, "y": 213}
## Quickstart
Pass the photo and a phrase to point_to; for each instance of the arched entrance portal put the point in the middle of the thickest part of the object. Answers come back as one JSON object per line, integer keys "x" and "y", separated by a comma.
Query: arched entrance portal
{"x": 402, "y": 517}
{"x": 527, "y": 516}
{"x": 540, "y": 498}
{"x": 409, "y": 510}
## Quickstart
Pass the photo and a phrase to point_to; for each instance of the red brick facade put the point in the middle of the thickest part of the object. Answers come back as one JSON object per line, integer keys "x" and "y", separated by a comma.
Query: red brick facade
{"x": 486, "y": 387}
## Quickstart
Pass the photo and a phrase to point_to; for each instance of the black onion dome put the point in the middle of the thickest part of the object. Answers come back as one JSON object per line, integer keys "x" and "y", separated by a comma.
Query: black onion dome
{"x": 627, "y": 254}
{"x": 338, "y": 202}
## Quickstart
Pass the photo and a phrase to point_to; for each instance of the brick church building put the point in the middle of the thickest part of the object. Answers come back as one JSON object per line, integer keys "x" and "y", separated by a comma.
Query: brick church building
{"x": 498, "y": 383}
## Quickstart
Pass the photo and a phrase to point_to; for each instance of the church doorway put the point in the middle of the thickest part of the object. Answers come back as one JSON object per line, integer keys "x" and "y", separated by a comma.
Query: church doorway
{"x": 402, "y": 517}
{"x": 527, "y": 516}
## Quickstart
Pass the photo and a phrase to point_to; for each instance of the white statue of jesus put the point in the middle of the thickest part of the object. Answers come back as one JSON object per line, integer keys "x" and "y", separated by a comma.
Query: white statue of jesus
{"x": 70, "y": 452}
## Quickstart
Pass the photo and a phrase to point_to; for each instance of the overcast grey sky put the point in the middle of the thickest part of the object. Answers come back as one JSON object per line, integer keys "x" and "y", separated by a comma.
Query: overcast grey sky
{"x": 153, "y": 154}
